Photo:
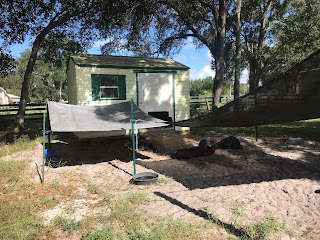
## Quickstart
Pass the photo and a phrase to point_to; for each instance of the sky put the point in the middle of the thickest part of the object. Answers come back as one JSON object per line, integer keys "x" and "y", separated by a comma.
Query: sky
{"x": 199, "y": 60}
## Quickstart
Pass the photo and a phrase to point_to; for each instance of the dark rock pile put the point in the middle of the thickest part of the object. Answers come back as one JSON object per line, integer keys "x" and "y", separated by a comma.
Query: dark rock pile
{"x": 207, "y": 147}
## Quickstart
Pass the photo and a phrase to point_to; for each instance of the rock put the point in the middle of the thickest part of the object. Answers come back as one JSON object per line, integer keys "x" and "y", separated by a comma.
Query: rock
{"x": 228, "y": 143}
{"x": 207, "y": 142}
{"x": 192, "y": 152}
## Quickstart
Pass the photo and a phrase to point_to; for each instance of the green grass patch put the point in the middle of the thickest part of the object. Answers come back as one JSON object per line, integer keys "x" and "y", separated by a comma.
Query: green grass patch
{"x": 103, "y": 234}
{"x": 263, "y": 229}
{"x": 21, "y": 200}
{"x": 308, "y": 129}
{"x": 128, "y": 220}
{"x": 11, "y": 171}
{"x": 239, "y": 209}
{"x": 67, "y": 224}
{"x": 19, "y": 144}
{"x": 164, "y": 180}
{"x": 92, "y": 188}
{"x": 18, "y": 218}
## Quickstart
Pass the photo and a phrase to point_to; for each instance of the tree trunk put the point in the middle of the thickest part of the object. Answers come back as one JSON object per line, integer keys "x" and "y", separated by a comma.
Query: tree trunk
{"x": 238, "y": 51}
{"x": 252, "y": 75}
{"x": 60, "y": 92}
{"x": 218, "y": 53}
{"x": 255, "y": 74}
{"x": 236, "y": 90}
{"x": 19, "y": 122}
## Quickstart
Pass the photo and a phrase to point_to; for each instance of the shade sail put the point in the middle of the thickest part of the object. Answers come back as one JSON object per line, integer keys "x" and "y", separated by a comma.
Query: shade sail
{"x": 77, "y": 118}
{"x": 291, "y": 96}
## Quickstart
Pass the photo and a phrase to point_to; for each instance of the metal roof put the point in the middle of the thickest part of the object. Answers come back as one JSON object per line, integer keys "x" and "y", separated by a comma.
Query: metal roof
{"x": 109, "y": 61}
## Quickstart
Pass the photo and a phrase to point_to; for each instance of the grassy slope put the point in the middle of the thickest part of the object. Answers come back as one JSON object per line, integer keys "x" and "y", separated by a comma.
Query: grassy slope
{"x": 309, "y": 129}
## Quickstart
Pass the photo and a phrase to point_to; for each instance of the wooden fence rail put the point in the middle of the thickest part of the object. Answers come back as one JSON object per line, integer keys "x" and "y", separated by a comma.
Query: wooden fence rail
{"x": 8, "y": 111}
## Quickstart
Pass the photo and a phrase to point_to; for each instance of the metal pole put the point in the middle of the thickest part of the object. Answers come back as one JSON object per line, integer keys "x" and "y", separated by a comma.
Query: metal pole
{"x": 43, "y": 145}
{"x": 49, "y": 133}
{"x": 133, "y": 141}
{"x": 256, "y": 130}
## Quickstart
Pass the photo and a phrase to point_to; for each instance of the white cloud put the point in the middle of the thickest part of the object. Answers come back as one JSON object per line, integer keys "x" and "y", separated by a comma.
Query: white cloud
{"x": 209, "y": 56}
{"x": 189, "y": 44}
{"x": 100, "y": 43}
{"x": 203, "y": 73}
{"x": 244, "y": 78}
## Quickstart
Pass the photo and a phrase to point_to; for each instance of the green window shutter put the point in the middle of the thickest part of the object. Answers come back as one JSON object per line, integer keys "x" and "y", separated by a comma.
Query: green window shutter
{"x": 95, "y": 81}
{"x": 122, "y": 87}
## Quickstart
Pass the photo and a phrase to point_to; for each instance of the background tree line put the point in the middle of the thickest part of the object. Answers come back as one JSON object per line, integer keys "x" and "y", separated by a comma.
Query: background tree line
{"x": 48, "y": 79}
{"x": 203, "y": 87}
{"x": 264, "y": 36}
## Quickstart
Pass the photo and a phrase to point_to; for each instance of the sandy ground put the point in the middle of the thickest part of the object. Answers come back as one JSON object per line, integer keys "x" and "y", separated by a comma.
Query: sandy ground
{"x": 271, "y": 177}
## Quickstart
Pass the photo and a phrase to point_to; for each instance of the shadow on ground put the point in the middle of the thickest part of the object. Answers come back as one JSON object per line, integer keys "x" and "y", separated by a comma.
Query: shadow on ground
{"x": 72, "y": 152}
{"x": 235, "y": 167}
{"x": 203, "y": 214}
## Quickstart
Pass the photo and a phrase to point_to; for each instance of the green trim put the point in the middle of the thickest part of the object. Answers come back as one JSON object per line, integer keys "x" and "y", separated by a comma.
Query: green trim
{"x": 95, "y": 87}
{"x": 174, "y": 98}
{"x": 137, "y": 86}
{"x": 161, "y": 69}
{"x": 122, "y": 87}
{"x": 154, "y": 71}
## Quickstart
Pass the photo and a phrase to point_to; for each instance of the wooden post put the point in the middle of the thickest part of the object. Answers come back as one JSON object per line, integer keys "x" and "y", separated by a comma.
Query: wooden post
{"x": 208, "y": 105}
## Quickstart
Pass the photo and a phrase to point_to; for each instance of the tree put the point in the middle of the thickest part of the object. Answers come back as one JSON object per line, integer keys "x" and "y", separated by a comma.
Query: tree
{"x": 6, "y": 63}
{"x": 54, "y": 54}
{"x": 201, "y": 86}
{"x": 237, "y": 33}
{"x": 258, "y": 18}
{"x": 72, "y": 18}
{"x": 163, "y": 27}
{"x": 296, "y": 37}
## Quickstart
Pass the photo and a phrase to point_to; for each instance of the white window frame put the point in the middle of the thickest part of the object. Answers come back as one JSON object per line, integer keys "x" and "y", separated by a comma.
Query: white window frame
{"x": 117, "y": 87}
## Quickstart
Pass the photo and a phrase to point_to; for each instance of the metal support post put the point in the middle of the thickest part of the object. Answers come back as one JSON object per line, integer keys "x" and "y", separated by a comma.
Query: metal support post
{"x": 43, "y": 146}
{"x": 133, "y": 140}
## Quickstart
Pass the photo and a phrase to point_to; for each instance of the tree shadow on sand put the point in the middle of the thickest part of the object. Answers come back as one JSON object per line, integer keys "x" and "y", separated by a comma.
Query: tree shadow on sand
{"x": 72, "y": 153}
{"x": 235, "y": 167}
{"x": 205, "y": 215}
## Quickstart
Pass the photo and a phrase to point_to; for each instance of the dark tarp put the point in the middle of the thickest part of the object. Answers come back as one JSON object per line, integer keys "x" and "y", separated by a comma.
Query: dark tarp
{"x": 291, "y": 96}
{"x": 77, "y": 118}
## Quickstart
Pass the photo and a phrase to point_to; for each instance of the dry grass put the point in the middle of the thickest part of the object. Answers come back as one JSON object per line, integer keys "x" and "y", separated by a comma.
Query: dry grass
{"x": 22, "y": 199}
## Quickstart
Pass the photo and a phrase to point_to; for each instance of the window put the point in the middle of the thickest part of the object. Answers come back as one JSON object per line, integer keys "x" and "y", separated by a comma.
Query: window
{"x": 109, "y": 88}
{"x": 106, "y": 87}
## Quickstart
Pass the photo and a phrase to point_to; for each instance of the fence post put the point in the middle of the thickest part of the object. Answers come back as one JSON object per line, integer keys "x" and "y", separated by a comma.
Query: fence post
{"x": 208, "y": 106}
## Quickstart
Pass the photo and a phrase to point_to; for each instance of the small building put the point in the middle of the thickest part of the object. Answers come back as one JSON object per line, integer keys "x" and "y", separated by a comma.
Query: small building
{"x": 6, "y": 98}
{"x": 160, "y": 87}
{"x": 14, "y": 99}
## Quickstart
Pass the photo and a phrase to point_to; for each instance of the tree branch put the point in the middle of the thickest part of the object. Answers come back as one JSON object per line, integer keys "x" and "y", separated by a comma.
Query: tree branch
{"x": 172, "y": 38}
{"x": 213, "y": 9}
